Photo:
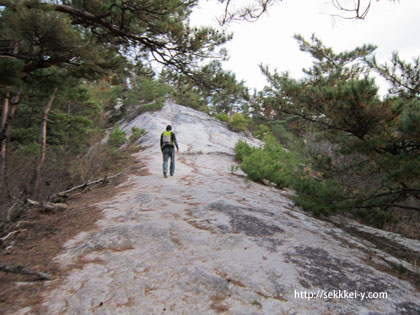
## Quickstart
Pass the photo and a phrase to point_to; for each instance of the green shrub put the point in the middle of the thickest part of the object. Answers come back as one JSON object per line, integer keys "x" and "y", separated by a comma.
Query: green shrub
{"x": 255, "y": 165}
{"x": 321, "y": 197}
{"x": 136, "y": 134}
{"x": 222, "y": 117}
{"x": 30, "y": 150}
{"x": 189, "y": 97}
{"x": 152, "y": 107}
{"x": 242, "y": 149}
{"x": 284, "y": 169}
{"x": 261, "y": 132}
{"x": 117, "y": 137}
{"x": 237, "y": 122}
{"x": 376, "y": 217}
{"x": 272, "y": 163}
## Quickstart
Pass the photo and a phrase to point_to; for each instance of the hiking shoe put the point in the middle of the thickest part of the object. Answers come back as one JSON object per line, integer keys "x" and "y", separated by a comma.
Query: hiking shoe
{"x": 165, "y": 176}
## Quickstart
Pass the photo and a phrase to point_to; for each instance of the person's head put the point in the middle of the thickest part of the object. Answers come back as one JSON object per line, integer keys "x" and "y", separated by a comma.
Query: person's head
{"x": 168, "y": 128}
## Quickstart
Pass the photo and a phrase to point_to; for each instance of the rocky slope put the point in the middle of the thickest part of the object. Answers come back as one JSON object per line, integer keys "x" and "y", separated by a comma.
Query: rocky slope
{"x": 206, "y": 241}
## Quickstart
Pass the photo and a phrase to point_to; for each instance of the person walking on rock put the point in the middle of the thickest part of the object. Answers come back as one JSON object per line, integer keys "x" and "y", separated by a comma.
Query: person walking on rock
{"x": 167, "y": 145}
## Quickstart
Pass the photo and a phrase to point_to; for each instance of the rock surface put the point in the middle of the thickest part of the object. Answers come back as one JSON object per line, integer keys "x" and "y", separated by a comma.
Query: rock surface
{"x": 206, "y": 241}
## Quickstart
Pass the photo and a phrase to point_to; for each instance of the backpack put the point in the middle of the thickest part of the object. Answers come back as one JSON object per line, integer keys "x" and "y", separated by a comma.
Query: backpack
{"x": 167, "y": 138}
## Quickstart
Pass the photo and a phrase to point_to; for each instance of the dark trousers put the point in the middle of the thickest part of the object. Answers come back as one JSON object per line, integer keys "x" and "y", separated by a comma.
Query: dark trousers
{"x": 168, "y": 152}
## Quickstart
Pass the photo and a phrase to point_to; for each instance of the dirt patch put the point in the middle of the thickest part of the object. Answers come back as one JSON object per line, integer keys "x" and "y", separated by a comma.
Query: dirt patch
{"x": 200, "y": 225}
{"x": 174, "y": 238}
{"x": 137, "y": 167}
{"x": 291, "y": 215}
{"x": 229, "y": 279}
{"x": 187, "y": 180}
{"x": 190, "y": 164}
{"x": 45, "y": 234}
{"x": 218, "y": 303}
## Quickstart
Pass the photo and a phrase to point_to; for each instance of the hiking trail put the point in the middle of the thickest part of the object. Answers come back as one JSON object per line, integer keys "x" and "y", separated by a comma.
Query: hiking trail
{"x": 207, "y": 241}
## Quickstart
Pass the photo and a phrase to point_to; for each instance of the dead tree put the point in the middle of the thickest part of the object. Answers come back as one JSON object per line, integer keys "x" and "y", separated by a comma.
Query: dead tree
{"x": 8, "y": 113}
{"x": 36, "y": 180}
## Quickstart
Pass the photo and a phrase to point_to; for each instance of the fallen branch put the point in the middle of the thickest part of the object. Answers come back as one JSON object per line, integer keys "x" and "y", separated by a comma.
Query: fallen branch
{"x": 49, "y": 206}
{"x": 14, "y": 211}
{"x": 11, "y": 234}
{"x": 23, "y": 224}
{"x": 66, "y": 192}
{"x": 24, "y": 271}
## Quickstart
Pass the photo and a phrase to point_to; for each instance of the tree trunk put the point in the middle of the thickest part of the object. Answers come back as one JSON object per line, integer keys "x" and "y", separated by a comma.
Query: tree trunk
{"x": 36, "y": 180}
{"x": 4, "y": 115}
{"x": 5, "y": 110}
{"x": 8, "y": 113}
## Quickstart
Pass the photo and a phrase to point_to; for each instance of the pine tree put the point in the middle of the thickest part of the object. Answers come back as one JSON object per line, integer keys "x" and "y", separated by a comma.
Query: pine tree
{"x": 84, "y": 40}
{"x": 368, "y": 146}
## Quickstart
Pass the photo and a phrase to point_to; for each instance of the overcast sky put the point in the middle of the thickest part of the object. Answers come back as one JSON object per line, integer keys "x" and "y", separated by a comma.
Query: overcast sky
{"x": 392, "y": 26}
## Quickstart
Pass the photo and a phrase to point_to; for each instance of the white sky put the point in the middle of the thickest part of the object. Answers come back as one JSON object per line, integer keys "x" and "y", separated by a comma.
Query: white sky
{"x": 392, "y": 26}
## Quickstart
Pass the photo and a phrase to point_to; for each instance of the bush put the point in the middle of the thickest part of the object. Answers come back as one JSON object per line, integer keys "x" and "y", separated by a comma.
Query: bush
{"x": 222, "y": 117}
{"x": 321, "y": 197}
{"x": 242, "y": 149}
{"x": 136, "y": 134}
{"x": 279, "y": 165}
{"x": 284, "y": 169}
{"x": 376, "y": 217}
{"x": 260, "y": 166}
{"x": 190, "y": 98}
{"x": 152, "y": 107}
{"x": 272, "y": 163}
{"x": 261, "y": 132}
{"x": 237, "y": 122}
{"x": 117, "y": 137}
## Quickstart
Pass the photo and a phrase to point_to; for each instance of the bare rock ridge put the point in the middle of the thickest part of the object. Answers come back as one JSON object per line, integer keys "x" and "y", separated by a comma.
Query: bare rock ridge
{"x": 207, "y": 242}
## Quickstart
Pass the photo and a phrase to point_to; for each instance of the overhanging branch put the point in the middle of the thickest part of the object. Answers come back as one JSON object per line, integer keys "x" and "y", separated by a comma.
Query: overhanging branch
{"x": 359, "y": 11}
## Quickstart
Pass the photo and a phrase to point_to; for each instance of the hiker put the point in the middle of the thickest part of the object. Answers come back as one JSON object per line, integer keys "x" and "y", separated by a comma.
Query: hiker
{"x": 167, "y": 145}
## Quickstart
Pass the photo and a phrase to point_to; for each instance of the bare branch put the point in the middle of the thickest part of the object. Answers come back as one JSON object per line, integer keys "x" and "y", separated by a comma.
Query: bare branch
{"x": 24, "y": 271}
{"x": 102, "y": 180}
{"x": 4, "y": 238}
{"x": 250, "y": 13}
{"x": 357, "y": 12}
{"x": 388, "y": 206}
